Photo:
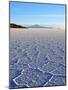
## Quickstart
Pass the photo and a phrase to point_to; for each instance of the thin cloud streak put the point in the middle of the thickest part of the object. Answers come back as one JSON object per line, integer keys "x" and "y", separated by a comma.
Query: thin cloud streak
{"x": 46, "y": 15}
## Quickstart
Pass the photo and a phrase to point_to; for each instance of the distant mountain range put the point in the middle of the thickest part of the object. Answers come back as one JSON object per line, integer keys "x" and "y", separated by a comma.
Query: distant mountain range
{"x": 37, "y": 26}
{"x": 12, "y": 25}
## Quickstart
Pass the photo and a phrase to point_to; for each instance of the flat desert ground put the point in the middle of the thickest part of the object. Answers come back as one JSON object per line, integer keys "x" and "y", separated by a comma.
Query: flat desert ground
{"x": 37, "y": 57}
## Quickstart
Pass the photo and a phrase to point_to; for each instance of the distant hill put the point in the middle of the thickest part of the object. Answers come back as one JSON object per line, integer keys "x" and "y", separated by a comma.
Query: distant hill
{"x": 12, "y": 25}
{"x": 37, "y": 26}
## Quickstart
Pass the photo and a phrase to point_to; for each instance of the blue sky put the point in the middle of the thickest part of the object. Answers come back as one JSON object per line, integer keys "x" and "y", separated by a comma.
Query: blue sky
{"x": 34, "y": 13}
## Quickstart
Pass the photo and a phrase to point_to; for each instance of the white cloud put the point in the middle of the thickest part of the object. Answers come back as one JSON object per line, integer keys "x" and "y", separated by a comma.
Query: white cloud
{"x": 47, "y": 15}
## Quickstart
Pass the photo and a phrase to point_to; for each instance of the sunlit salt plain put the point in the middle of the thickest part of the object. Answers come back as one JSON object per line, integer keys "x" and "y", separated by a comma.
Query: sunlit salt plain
{"x": 37, "y": 57}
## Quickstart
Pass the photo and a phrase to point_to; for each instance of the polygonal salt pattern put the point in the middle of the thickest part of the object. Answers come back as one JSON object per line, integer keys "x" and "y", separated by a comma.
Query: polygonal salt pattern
{"x": 36, "y": 62}
{"x": 32, "y": 77}
{"x": 56, "y": 80}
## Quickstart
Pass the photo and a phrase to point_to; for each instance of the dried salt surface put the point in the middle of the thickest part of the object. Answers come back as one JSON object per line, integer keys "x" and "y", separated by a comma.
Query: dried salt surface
{"x": 37, "y": 57}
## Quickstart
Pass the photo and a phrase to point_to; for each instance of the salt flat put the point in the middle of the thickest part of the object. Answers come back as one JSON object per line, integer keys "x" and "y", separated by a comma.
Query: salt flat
{"x": 37, "y": 57}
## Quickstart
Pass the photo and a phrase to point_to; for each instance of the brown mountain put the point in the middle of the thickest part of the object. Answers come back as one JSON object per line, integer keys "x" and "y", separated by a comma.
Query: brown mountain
{"x": 12, "y": 25}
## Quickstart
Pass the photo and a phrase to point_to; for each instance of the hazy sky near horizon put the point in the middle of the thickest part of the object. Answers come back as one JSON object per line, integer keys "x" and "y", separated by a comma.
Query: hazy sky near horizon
{"x": 37, "y": 13}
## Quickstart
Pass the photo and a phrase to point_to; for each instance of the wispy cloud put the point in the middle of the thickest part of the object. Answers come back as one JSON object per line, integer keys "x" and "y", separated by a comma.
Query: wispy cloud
{"x": 45, "y": 15}
{"x": 54, "y": 15}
